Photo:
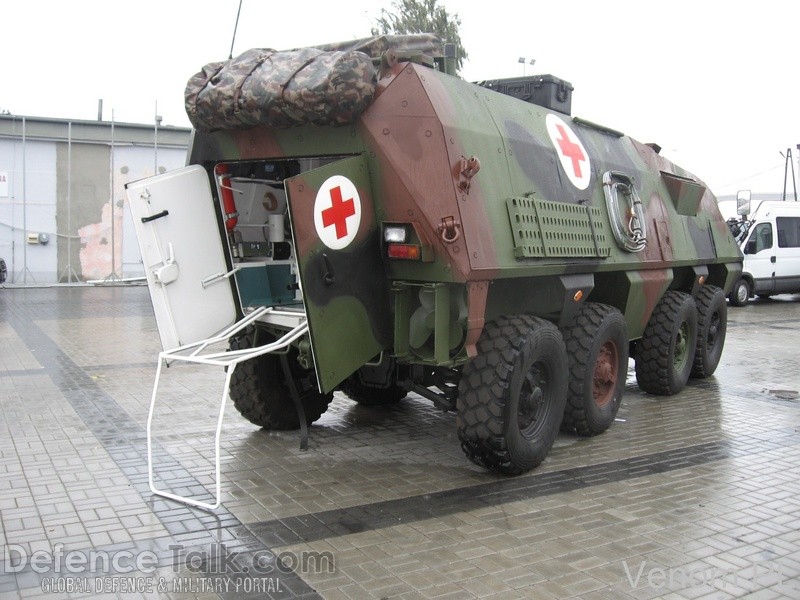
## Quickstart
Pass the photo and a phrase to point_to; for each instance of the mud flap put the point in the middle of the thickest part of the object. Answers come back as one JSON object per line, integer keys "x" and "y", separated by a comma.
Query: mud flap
{"x": 338, "y": 247}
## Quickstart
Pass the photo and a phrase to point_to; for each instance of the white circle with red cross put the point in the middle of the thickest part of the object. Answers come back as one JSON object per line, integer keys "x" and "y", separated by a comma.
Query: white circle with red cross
{"x": 337, "y": 212}
{"x": 573, "y": 156}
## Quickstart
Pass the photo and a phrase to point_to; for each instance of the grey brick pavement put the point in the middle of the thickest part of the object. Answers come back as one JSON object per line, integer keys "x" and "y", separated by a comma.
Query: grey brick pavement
{"x": 694, "y": 496}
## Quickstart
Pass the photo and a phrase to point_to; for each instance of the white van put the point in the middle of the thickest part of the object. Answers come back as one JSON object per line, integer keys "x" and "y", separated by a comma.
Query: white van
{"x": 770, "y": 240}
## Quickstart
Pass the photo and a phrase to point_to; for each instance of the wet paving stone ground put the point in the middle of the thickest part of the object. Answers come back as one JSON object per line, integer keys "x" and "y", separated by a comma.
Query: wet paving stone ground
{"x": 693, "y": 496}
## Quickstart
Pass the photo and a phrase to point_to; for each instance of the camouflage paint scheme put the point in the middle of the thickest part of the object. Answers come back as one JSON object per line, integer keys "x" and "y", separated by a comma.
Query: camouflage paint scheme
{"x": 452, "y": 160}
{"x": 281, "y": 88}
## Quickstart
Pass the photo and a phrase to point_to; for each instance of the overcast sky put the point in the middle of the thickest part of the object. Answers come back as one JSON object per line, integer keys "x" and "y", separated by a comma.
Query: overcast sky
{"x": 714, "y": 83}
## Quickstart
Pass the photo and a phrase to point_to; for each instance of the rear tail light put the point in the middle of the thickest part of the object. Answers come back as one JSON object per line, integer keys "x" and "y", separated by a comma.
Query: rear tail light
{"x": 404, "y": 251}
{"x": 406, "y": 241}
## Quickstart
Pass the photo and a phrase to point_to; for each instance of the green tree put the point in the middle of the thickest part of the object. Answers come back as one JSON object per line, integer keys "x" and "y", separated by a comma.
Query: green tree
{"x": 422, "y": 16}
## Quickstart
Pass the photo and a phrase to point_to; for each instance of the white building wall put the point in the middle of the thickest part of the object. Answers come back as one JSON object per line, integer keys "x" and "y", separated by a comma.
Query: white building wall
{"x": 61, "y": 190}
{"x": 30, "y": 204}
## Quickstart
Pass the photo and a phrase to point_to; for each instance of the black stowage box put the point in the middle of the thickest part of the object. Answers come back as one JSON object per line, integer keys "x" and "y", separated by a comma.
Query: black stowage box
{"x": 544, "y": 90}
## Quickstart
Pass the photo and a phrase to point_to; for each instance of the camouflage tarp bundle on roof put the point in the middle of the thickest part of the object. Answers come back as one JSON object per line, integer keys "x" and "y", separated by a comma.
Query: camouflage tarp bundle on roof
{"x": 408, "y": 44}
{"x": 281, "y": 89}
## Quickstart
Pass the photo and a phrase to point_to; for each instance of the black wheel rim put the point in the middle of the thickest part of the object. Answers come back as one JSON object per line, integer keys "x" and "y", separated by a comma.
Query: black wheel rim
{"x": 532, "y": 405}
{"x": 712, "y": 338}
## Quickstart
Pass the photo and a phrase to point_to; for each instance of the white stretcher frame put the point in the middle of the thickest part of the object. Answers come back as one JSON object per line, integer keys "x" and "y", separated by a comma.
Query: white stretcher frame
{"x": 194, "y": 353}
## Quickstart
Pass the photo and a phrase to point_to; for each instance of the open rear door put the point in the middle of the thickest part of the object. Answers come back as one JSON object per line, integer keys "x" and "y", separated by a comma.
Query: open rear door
{"x": 176, "y": 225}
{"x": 338, "y": 248}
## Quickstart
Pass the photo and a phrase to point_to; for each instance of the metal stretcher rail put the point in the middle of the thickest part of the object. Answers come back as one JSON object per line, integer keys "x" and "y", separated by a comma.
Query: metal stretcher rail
{"x": 199, "y": 353}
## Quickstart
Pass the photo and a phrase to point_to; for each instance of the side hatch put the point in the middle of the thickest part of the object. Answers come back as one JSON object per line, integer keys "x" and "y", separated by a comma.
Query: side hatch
{"x": 338, "y": 248}
{"x": 176, "y": 225}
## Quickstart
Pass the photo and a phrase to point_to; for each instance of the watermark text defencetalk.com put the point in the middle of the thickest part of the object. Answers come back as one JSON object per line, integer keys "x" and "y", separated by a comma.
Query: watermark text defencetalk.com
{"x": 214, "y": 559}
{"x": 750, "y": 577}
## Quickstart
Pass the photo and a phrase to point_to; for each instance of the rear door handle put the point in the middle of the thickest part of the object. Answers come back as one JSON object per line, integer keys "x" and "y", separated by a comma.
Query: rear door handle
{"x": 772, "y": 259}
{"x": 163, "y": 213}
{"x": 328, "y": 278}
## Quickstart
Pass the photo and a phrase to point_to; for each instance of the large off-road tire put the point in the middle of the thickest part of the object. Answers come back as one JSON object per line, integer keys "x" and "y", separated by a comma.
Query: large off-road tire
{"x": 512, "y": 394}
{"x": 712, "y": 324}
{"x": 356, "y": 390}
{"x": 597, "y": 354}
{"x": 260, "y": 391}
{"x": 665, "y": 354}
{"x": 740, "y": 294}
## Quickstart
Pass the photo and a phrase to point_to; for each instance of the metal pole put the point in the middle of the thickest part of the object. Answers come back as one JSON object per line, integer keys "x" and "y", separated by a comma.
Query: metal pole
{"x": 155, "y": 141}
{"x": 113, "y": 222}
{"x": 13, "y": 212}
{"x": 786, "y": 172}
{"x": 69, "y": 202}
{"x": 68, "y": 268}
{"x": 24, "y": 211}
{"x": 235, "y": 27}
{"x": 798, "y": 166}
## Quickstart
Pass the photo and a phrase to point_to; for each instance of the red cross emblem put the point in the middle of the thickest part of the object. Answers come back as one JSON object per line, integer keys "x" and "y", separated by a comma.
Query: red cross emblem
{"x": 338, "y": 212}
{"x": 571, "y": 150}
{"x": 572, "y": 155}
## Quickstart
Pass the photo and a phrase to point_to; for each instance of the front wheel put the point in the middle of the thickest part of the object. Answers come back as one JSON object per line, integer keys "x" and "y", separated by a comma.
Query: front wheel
{"x": 740, "y": 293}
{"x": 665, "y": 354}
{"x": 512, "y": 394}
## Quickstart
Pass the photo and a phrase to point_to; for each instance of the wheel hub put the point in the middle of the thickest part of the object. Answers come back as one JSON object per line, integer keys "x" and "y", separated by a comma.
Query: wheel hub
{"x": 531, "y": 401}
{"x": 713, "y": 331}
{"x": 681, "y": 346}
{"x": 741, "y": 293}
{"x": 606, "y": 368}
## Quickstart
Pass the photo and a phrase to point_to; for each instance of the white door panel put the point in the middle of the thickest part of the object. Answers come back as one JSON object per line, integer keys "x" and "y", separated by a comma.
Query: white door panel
{"x": 176, "y": 226}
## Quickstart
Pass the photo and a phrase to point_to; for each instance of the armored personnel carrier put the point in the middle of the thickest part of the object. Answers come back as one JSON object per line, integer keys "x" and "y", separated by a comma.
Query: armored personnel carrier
{"x": 361, "y": 219}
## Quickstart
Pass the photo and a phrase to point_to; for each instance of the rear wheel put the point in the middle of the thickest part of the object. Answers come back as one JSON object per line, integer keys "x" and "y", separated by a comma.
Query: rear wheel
{"x": 665, "y": 354}
{"x": 375, "y": 383}
{"x": 740, "y": 293}
{"x": 260, "y": 391}
{"x": 356, "y": 390}
{"x": 597, "y": 354}
{"x": 712, "y": 320}
{"x": 512, "y": 394}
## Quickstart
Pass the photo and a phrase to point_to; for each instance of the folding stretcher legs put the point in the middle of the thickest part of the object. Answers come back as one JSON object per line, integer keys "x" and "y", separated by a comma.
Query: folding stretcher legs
{"x": 200, "y": 353}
